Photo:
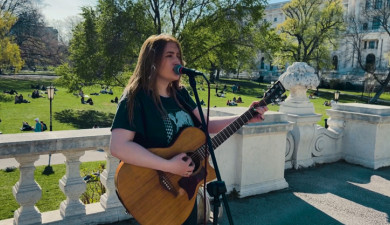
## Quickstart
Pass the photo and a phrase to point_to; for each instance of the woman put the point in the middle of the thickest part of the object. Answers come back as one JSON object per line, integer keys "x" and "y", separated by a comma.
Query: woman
{"x": 154, "y": 107}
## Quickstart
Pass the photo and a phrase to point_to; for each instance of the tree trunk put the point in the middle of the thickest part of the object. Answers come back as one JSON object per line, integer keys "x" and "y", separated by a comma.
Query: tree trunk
{"x": 381, "y": 90}
{"x": 218, "y": 72}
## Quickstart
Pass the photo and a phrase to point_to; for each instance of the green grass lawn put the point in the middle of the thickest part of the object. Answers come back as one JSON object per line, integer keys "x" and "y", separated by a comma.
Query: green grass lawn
{"x": 52, "y": 196}
{"x": 69, "y": 113}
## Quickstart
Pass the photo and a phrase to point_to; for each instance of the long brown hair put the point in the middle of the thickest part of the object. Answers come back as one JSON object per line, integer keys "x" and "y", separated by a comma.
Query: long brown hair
{"x": 145, "y": 72}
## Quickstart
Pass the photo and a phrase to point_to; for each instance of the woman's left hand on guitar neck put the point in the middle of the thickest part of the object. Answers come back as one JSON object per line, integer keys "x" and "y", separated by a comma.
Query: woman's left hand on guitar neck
{"x": 261, "y": 110}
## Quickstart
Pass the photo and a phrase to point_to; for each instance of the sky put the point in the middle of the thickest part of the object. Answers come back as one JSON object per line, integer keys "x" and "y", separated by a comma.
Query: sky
{"x": 61, "y": 9}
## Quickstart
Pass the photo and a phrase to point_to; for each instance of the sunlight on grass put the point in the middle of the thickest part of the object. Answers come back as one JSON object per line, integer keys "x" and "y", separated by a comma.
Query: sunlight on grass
{"x": 52, "y": 196}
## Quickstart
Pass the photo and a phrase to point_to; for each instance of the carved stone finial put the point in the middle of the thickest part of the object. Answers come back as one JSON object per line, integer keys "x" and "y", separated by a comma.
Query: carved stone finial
{"x": 298, "y": 78}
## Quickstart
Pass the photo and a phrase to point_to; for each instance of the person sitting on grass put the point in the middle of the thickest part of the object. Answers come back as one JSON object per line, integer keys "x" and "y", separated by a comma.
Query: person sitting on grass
{"x": 82, "y": 100}
{"x": 26, "y": 127}
{"x": 44, "y": 126}
{"x": 115, "y": 100}
{"x": 239, "y": 100}
{"x": 38, "y": 125}
{"x": 89, "y": 101}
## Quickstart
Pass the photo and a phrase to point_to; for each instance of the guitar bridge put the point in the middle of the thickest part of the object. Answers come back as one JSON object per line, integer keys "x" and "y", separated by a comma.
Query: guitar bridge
{"x": 166, "y": 183}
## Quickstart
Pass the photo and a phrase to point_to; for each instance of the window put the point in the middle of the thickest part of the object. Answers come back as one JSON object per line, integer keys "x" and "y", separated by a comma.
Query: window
{"x": 376, "y": 22}
{"x": 262, "y": 63}
{"x": 378, "y": 4}
{"x": 365, "y": 44}
{"x": 371, "y": 44}
{"x": 368, "y": 4}
{"x": 275, "y": 19}
{"x": 365, "y": 26}
{"x": 335, "y": 62}
{"x": 370, "y": 62}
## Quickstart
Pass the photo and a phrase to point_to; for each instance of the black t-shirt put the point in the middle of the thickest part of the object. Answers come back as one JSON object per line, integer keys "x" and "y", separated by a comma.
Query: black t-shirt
{"x": 151, "y": 127}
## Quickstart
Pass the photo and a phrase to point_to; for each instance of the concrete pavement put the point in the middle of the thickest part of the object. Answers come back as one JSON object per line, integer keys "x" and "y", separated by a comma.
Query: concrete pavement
{"x": 337, "y": 193}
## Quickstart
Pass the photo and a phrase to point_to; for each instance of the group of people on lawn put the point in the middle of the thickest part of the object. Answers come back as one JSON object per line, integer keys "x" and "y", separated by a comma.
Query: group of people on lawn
{"x": 40, "y": 126}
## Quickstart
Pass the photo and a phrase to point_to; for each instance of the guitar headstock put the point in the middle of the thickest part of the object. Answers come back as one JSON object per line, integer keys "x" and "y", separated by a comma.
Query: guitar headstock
{"x": 274, "y": 93}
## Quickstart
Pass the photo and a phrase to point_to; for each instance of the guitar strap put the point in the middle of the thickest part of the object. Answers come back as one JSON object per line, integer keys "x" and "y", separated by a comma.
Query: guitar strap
{"x": 187, "y": 108}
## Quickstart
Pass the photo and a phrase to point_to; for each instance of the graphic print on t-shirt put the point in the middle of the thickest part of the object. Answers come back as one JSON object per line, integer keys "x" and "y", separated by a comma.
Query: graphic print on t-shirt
{"x": 175, "y": 121}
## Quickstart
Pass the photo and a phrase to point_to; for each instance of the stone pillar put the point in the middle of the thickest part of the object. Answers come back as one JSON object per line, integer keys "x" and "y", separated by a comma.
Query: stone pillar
{"x": 252, "y": 161}
{"x": 27, "y": 192}
{"x": 298, "y": 78}
{"x": 366, "y": 133}
{"x": 72, "y": 185}
{"x": 109, "y": 199}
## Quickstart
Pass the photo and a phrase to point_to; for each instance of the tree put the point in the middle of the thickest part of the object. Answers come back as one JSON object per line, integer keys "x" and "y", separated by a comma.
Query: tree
{"x": 105, "y": 44}
{"x": 14, "y": 6}
{"x": 38, "y": 43}
{"x": 225, "y": 38}
{"x": 310, "y": 24}
{"x": 9, "y": 51}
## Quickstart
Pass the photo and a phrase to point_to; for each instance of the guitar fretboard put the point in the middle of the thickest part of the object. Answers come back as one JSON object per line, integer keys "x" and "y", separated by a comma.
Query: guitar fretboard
{"x": 275, "y": 92}
{"x": 228, "y": 131}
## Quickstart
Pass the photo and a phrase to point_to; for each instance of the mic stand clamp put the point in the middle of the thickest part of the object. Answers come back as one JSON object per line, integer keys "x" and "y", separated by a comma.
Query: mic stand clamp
{"x": 218, "y": 187}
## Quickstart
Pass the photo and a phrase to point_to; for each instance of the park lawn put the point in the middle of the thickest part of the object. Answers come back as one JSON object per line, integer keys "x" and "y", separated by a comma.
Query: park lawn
{"x": 67, "y": 111}
{"x": 52, "y": 196}
{"x": 70, "y": 114}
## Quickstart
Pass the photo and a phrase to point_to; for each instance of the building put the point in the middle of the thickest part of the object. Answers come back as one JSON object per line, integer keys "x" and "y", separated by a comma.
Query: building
{"x": 375, "y": 41}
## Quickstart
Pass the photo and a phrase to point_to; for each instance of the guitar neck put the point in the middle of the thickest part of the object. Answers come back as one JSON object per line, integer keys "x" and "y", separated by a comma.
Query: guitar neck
{"x": 229, "y": 130}
{"x": 273, "y": 93}
{"x": 233, "y": 127}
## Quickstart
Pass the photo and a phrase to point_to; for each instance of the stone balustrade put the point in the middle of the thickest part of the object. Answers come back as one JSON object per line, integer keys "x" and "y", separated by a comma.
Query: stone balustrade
{"x": 26, "y": 149}
{"x": 247, "y": 163}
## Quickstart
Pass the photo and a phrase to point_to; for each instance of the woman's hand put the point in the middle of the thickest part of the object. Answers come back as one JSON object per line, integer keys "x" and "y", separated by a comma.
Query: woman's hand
{"x": 259, "y": 117}
{"x": 181, "y": 165}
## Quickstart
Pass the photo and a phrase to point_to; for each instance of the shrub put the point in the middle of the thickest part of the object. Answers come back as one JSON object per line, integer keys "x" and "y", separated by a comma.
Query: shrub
{"x": 6, "y": 98}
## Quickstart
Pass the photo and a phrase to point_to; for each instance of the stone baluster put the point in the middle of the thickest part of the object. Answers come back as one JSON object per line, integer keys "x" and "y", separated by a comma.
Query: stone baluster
{"x": 27, "y": 192}
{"x": 109, "y": 199}
{"x": 72, "y": 185}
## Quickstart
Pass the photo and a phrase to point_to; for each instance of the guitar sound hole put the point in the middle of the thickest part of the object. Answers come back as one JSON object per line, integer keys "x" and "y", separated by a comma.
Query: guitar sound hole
{"x": 195, "y": 160}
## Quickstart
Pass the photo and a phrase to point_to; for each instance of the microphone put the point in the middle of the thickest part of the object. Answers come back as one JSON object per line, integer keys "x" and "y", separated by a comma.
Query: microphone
{"x": 179, "y": 69}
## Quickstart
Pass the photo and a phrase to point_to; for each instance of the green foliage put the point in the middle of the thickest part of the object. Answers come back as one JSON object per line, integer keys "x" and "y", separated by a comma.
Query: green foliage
{"x": 105, "y": 45}
{"x": 94, "y": 187}
{"x": 310, "y": 30}
{"x": 215, "y": 35}
{"x": 6, "y": 98}
{"x": 9, "y": 51}
{"x": 68, "y": 78}
{"x": 52, "y": 195}
{"x": 227, "y": 38}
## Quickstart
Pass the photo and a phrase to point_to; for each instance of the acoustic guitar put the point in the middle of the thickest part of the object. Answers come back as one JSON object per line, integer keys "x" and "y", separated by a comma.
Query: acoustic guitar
{"x": 156, "y": 197}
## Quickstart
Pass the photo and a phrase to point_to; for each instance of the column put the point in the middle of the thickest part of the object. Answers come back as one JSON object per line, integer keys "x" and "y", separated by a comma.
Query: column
{"x": 109, "y": 199}
{"x": 72, "y": 185}
{"x": 27, "y": 192}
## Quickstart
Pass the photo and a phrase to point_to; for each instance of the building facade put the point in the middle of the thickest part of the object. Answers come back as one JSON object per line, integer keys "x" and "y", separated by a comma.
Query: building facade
{"x": 375, "y": 41}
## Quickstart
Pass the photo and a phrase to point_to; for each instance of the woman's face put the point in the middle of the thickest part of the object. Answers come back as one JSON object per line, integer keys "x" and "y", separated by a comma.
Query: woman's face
{"x": 170, "y": 57}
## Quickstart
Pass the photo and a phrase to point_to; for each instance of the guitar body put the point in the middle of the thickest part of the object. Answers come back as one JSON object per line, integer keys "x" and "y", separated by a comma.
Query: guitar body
{"x": 148, "y": 200}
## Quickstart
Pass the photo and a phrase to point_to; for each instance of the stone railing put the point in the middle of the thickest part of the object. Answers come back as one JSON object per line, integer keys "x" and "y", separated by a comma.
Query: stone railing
{"x": 254, "y": 149}
{"x": 26, "y": 149}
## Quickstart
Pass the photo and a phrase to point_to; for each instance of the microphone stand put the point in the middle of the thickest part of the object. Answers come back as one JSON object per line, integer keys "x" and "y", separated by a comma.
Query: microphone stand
{"x": 215, "y": 188}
